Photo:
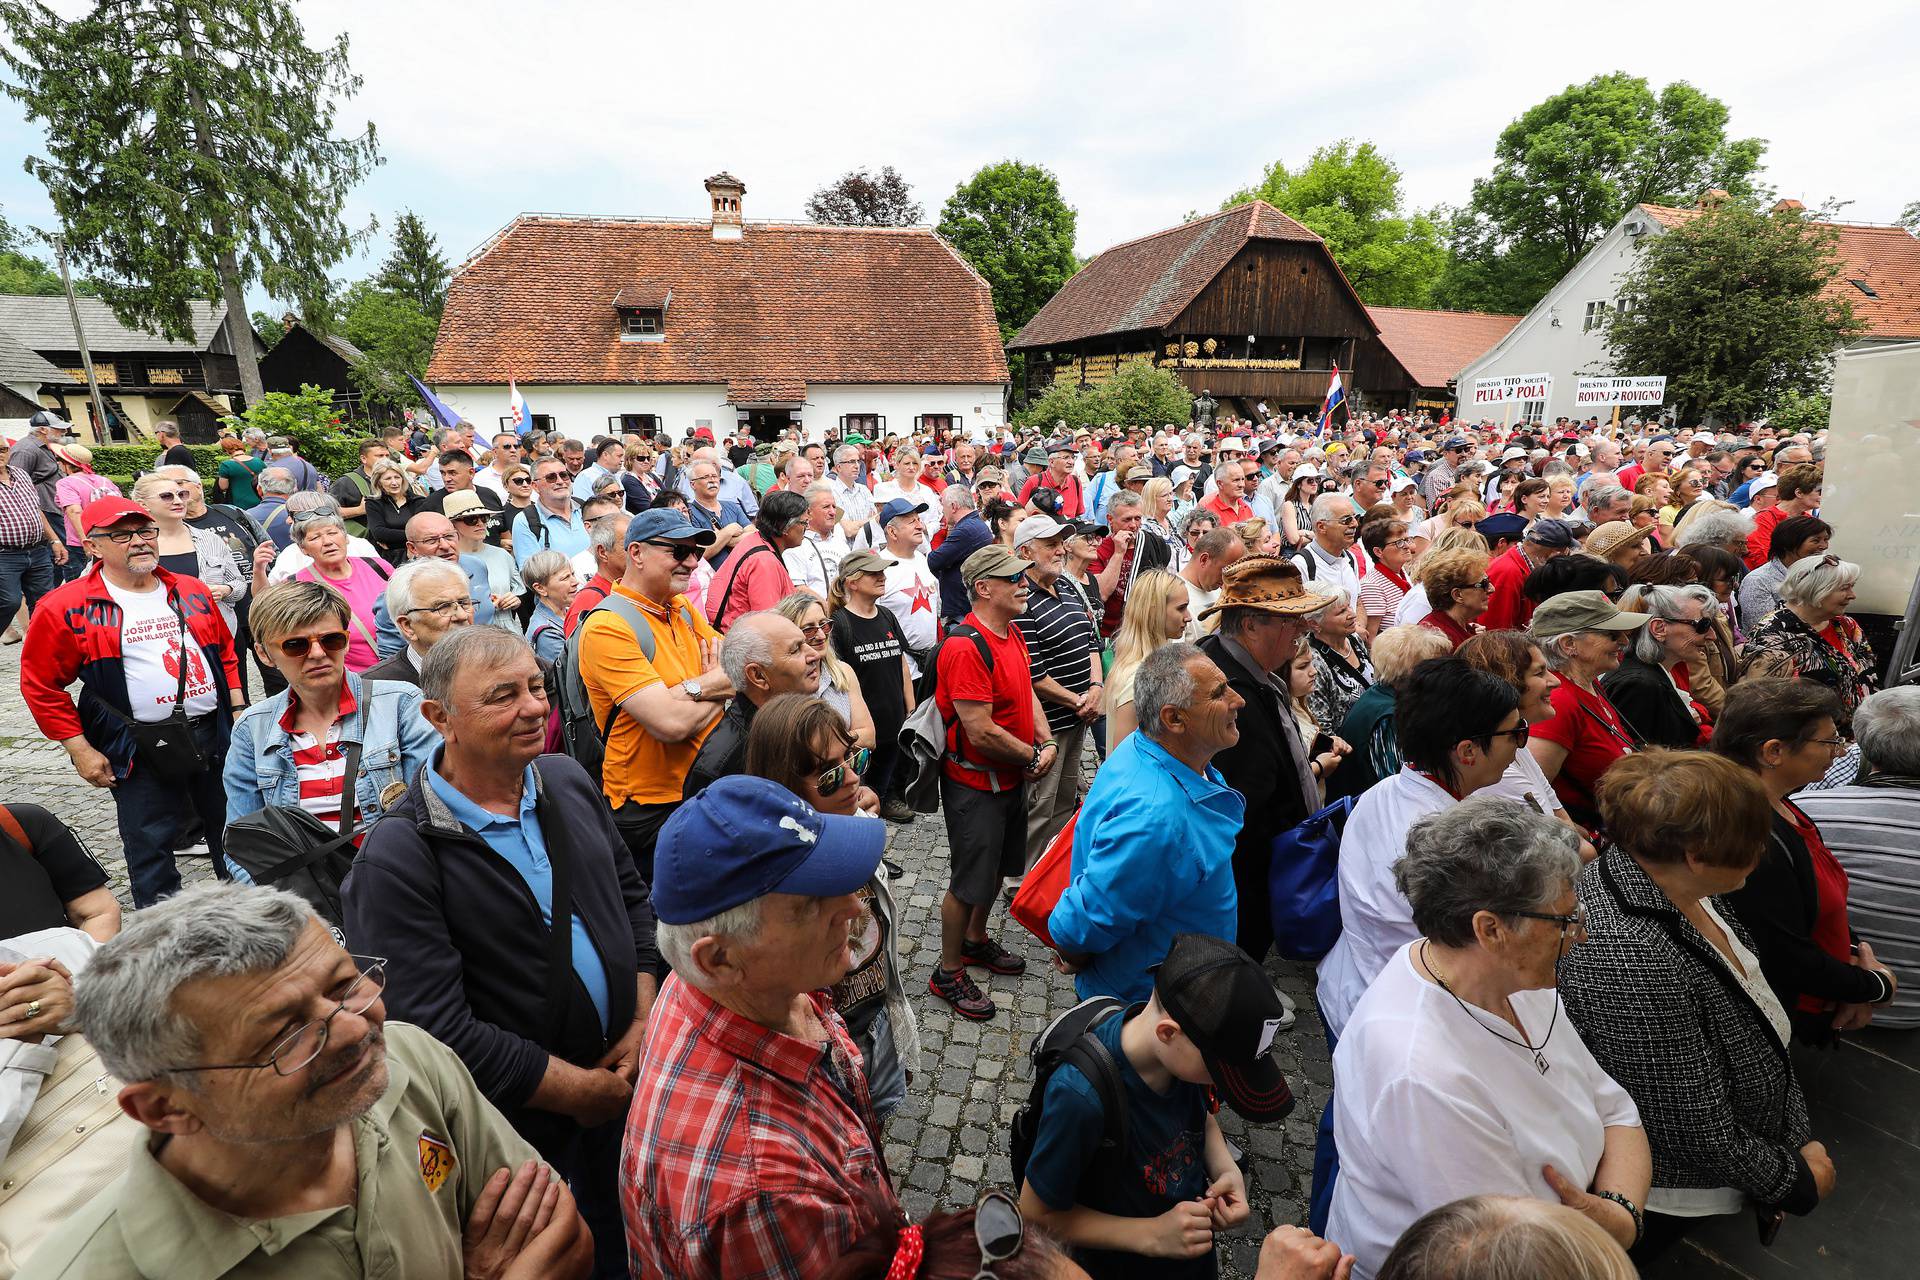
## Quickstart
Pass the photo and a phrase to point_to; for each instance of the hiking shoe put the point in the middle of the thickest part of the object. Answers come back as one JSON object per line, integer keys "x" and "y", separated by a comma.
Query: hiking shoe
{"x": 895, "y": 809}
{"x": 992, "y": 957}
{"x": 958, "y": 989}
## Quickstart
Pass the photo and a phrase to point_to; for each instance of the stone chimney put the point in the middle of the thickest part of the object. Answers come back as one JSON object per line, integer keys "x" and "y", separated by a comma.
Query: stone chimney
{"x": 1788, "y": 206}
{"x": 726, "y": 191}
{"x": 1712, "y": 199}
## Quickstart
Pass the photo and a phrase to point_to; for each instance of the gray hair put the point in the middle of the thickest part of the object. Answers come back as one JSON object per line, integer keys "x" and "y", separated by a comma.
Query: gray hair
{"x": 124, "y": 998}
{"x": 1887, "y": 727}
{"x": 1665, "y": 603}
{"x": 542, "y": 565}
{"x": 1162, "y": 680}
{"x": 846, "y": 453}
{"x": 276, "y": 481}
{"x": 1323, "y": 507}
{"x": 1720, "y": 527}
{"x": 405, "y": 581}
{"x": 958, "y": 497}
{"x": 745, "y": 644}
{"x": 1483, "y": 854}
{"x": 307, "y": 504}
{"x": 1812, "y": 577}
{"x": 1184, "y": 525}
{"x": 278, "y": 444}
{"x": 491, "y": 646}
{"x": 741, "y": 924}
{"x": 1126, "y": 498}
{"x": 1600, "y": 494}
{"x": 606, "y": 535}
{"x": 315, "y": 520}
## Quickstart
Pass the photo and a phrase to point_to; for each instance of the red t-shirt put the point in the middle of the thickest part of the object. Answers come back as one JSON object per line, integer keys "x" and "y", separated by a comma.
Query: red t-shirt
{"x": 1593, "y": 734}
{"x": 1072, "y": 505}
{"x": 584, "y": 599}
{"x": 1762, "y": 536}
{"x": 1008, "y": 689}
{"x": 1830, "y": 930}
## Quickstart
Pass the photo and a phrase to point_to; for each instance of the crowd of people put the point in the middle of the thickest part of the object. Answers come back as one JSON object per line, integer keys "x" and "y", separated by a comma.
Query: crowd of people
{"x": 554, "y": 931}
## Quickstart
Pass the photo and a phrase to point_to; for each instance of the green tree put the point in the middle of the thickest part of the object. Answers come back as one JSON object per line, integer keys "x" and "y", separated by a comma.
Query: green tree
{"x": 1733, "y": 308}
{"x": 1797, "y": 411}
{"x": 1011, "y": 223}
{"x": 308, "y": 420}
{"x": 1570, "y": 167}
{"x": 415, "y": 268}
{"x": 394, "y": 335}
{"x": 24, "y": 272}
{"x": 269, "y": 327}
{"x": 862, "y": 198}
{"x": 1349, "y": 195}
{"x": 1138, "y": 394}
{"x": 191, "y": 152}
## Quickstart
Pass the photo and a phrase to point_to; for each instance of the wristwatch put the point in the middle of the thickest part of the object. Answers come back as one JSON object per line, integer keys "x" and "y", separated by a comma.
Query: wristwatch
{"x": 691, "y": 688}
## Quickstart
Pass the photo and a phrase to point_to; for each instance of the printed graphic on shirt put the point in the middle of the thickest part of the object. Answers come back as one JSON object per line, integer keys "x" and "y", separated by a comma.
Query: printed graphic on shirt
{"x": 163, "y": 633}
{"x": 921, "y": 595}
{"x": 1169, "y": 1168}
{"x": 436, "y": 1160}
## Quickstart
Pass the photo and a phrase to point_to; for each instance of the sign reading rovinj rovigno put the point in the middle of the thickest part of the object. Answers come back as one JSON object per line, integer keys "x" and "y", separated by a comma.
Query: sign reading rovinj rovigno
{"x": 1512, "y": 386}
{"x": 1601, "y": 392}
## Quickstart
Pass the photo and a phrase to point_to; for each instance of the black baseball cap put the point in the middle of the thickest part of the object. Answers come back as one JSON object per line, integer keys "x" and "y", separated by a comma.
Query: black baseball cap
{"x": 1226, "y": 1004}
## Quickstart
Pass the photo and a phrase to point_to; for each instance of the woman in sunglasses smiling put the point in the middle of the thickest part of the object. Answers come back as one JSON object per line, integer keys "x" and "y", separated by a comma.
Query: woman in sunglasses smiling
{"x": 1652, "y": 688}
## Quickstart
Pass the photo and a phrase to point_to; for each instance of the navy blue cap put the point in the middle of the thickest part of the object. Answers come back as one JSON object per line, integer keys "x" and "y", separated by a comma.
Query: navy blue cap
{"x": 1454, "y": 442}
{"x": 1505, "y": 524}
{"x": 744, "y": 837}
{"x": 664, "y": 524}
{"x": 898, "y": 507}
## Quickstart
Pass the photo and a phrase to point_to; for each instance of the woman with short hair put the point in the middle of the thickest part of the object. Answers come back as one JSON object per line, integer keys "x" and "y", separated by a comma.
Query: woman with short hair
{"x": 1810, "y": 637}
{"x": 1506, "y": 1238}
{"x": 1457, "y": 1073}
{"x": 1389, "y": 549}
{"x": 238, "y": 474}
{"x": 1652, "y": 686}
{"x": 1458, "y": 589}
{"x": 1668, "y": 993}
{"x": 1583, "y": 635}
{"x": 550, "y": 577}
{"x": 360, "y": 581}
{"x": 1792, "y": 540}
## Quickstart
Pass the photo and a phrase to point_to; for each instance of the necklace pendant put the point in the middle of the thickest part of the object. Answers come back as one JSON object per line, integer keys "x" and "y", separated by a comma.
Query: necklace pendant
{"x": 1540, "y": 1061}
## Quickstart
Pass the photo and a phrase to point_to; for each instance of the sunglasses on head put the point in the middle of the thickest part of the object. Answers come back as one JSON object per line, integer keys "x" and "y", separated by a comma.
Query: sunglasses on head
{"x": 855, "y": 764}
{"x": 301, "y": 646}
{"x": 998, "y": 1231}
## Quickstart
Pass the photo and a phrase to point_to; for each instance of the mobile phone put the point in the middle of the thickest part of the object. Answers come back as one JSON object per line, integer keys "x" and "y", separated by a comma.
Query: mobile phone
{"x": 1769, "y": 1221}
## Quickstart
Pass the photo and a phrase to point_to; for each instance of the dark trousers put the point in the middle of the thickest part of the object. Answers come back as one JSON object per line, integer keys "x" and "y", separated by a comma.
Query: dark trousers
{"x": 25, "y": 573}
{"x": 1251, "y": 867}
{"x": 639, "y": 825}
{"x": 151, "y": 812}
{"x": 75, "y": 566}
{"x": 1326, "y": 1163}
{"x": 590, "y": 1165}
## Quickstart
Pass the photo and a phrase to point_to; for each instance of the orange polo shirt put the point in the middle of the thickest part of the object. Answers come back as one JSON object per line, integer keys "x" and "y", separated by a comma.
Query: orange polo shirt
{"x": 639, "y": 766}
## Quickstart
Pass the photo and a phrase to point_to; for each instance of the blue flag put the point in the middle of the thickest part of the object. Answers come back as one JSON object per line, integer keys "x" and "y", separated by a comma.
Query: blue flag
{"x": 446, "y": 416}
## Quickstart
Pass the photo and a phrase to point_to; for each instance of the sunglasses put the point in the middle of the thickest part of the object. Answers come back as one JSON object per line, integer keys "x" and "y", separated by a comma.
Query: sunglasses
{"x": 1519, "y": 733}
{"x": 473, "y": 519}
{"x": 855, "y": 764}
{"x": 1699, "y": 626}
{"x": 519, "y": 479}
{"x": 678, "y": 550}
{"x": 998, "y": 1230}
{"x": 170, "y": 496}
{"x": 1485, "y": 584}
{"x": 301, "y": 646}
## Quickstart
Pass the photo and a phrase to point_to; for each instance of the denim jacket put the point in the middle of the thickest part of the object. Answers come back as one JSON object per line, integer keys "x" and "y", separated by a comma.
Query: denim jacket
{"x": 395, "y": 740}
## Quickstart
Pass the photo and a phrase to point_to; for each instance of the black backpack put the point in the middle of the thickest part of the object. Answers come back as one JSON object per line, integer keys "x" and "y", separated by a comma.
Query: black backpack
{"x": 1070, "y": 1038}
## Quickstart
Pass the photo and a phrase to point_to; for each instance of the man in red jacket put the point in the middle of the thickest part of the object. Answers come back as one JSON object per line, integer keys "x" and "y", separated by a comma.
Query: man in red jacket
{"x": 1509, "y": 609}
{"x": 148, "y": 647}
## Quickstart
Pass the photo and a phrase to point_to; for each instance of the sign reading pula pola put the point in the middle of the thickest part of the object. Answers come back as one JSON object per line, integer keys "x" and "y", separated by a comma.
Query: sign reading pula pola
{"x": 1599, "y": 393}
{"x": 1512, "y": 386}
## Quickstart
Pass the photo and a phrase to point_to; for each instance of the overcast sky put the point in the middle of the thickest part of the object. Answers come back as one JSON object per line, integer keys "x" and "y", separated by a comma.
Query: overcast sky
{"x": 1144, "y": 111}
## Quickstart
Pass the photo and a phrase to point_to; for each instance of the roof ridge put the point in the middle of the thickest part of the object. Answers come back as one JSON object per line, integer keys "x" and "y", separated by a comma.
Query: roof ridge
{"x": 1177, "y": 227}
{"x": 1445, "y": 311}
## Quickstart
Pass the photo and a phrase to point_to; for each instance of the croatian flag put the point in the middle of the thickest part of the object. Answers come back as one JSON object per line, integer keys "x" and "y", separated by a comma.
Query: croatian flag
{"x": 517, "y": 415}
{"x": 1336, "y": 395}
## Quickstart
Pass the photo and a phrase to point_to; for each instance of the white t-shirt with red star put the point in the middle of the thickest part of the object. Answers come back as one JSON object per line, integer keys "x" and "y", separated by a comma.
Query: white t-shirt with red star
{"x": 913, "y": 594}
{"x": 150, "y": 647}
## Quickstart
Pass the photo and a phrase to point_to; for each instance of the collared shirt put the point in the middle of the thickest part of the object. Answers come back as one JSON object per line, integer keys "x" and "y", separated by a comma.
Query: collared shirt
{"x": 319, "y": 763}
{"x": 813, "y": 563}
{"x": 21, "y": 522}
{"x": 422, "y": 1152}
{"x": 856, "y": 500}
{"x": 1061, "y": 641}
{"x": 569, "y": 536}
{"x": 590, "y": 476}
{"x": 520, "y": 842}
{"x": 639, "y": 766}
{"x": 748, "y": 1153}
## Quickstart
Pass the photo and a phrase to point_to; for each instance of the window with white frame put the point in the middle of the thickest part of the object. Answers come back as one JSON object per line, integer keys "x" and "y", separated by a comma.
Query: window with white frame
{"x": 1596, "y": 316}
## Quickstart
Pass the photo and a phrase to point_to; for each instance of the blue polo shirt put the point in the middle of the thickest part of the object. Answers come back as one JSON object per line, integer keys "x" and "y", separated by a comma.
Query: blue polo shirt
{"x": 569, "y": 537}
{"x": 520, "y": 841}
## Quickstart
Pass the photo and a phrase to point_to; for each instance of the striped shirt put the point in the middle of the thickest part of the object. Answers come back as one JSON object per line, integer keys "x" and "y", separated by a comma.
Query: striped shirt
{"x": 1061, "y": 639}
{"x": 320, "y": 764}
{"x": 20, "y": 520}
{"x": 1874, "y": 831}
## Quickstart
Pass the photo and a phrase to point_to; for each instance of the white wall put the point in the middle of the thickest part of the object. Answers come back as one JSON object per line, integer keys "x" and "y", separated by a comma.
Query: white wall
{"x": 581, "y": 412}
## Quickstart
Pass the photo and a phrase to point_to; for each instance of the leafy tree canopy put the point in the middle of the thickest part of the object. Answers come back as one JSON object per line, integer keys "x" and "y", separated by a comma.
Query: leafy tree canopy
{"x": 394, "y": 335}
{"x": 1011, "y": 223}
{"x": 1732, "y": 307}
{"x": 1138, "y": 394}
{"x": 1349, "y": 194}
{"x": 24, "y": 272}
{"x": 862, "y": 198}
{"x": 415, "y": 268}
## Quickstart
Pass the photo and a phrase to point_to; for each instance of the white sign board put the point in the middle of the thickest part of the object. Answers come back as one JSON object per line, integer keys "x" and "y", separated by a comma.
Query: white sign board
{"x": 1512, "y": 386}
{"x": 1600, "y": 393}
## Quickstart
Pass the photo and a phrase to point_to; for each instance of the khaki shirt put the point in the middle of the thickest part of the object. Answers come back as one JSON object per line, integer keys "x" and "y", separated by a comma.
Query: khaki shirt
{"x": 424, "y": 1151}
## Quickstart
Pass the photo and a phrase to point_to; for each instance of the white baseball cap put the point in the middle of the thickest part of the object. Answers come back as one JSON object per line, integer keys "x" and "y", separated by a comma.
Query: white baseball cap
{"x": 1041, "y": 526}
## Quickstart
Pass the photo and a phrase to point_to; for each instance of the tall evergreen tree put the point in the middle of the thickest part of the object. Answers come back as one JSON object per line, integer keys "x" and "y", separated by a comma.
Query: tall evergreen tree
{"x": 415, "y": 269}
{"x": 191, "y": 153}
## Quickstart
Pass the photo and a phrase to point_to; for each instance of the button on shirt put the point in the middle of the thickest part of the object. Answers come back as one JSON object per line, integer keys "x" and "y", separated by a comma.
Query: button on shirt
{"x": 520, "y": 841}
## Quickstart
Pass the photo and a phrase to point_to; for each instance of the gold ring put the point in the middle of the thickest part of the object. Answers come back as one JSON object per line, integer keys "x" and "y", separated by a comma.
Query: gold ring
{"x": 33, "y": 1010}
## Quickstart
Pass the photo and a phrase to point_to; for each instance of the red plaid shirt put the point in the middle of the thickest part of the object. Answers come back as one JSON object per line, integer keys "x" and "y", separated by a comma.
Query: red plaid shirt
{"x": 20, "y": 522}
{"x": 748, "y": 1153}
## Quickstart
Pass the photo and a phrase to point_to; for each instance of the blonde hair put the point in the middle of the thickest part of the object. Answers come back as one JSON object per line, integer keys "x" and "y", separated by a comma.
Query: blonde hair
{"x": 1446, "y": 572}
{"x": 1157, "y": 488}
{"x": 1148, "y": 600}
{"x": 287, "y": 607}
{"x": 1252, "y": 532}
{"x": 793, "y": 608}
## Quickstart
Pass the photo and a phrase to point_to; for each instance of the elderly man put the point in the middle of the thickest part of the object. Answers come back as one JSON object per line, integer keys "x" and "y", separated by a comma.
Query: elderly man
{"x": 1123, "y": 555}
{"x": 725, "y": 518}
{"x": 1063, "y": 646}
{"x": 30, "y": 542}
{"x": 813, "y": 563}
{"x": 1441, "y": 475}
{"x": 1214, "y": 552}
{"x": 462, "y": 878}
{"x": 431, "y": 536}
{"x": 1601, "y": 502}
{"x": 967, "y": 532}
{"x": 855, "y": 499}
{"x": 275, "y": 486}
{"x": 913, "y": 593}
{"x": 295, "y": 1132}
{"x": 1509, "y": 609}
{"x": 607, "y": 546}
{"x": 752, "y": 1149}
{"x": 1228, "y": 500}
{"x": 280, "y": 453}
{"x": 1329, "y": 558}
{"x": 427, "y": 600}
{"x": 1265, "y": 613}
{"x": 755, "y": 577}
{"x": 1058, "y": 477}
{"x": 1105, "y": 485}
{"x": 1153, "y": 846}
{"x": 764, "y": 655}
{"x": 553, "y": 521}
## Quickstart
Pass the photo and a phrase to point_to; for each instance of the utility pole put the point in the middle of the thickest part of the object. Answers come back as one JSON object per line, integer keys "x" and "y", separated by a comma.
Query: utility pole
{"x": 80, "y": 339}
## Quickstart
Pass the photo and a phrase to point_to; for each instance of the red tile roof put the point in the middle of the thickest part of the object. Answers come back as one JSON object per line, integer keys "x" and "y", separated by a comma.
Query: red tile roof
{"x": 1434, "y": 346}
{"x": 1147, "y": 283}
{"x": 1886, "y": 259}
{"x": 786, "y": 305}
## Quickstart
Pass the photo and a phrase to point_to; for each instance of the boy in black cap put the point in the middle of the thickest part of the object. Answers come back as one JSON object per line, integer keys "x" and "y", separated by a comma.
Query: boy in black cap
{"x": 1152, "y": 1211}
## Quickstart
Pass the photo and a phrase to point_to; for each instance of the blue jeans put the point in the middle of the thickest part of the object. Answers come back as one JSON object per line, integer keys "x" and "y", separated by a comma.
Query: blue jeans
{"x": 151, "y": 813}
{"x": 25, "y": 572}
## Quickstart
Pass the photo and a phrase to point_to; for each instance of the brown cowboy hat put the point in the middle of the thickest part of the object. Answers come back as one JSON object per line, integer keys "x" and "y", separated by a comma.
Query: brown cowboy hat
{"x": 1266, "y": 583}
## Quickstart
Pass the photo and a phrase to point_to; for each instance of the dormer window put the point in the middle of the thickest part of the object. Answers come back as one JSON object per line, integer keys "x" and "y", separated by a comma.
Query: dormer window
{"x": 642, "y": 322}
{"x": 642, "y": 308}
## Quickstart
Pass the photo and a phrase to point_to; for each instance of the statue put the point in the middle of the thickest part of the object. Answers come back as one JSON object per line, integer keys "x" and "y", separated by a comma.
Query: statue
{"x": 1203, "y": 406}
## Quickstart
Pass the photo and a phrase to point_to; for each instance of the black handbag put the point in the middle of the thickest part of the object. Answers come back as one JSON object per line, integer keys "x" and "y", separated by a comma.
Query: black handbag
{"x": 285, "y": 846}
{"x": 166, "y": 748}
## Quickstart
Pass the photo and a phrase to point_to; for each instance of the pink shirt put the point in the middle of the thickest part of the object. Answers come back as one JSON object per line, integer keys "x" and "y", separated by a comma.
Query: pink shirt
{"x": 362, "y": 588}
{"x": 77, "y": 490}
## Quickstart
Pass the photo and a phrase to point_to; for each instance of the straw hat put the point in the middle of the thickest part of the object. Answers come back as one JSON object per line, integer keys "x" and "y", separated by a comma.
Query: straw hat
{"x": 1267, "y": 583}
{"x": 76, "y": 455}
{"x": 1611, "y": 538}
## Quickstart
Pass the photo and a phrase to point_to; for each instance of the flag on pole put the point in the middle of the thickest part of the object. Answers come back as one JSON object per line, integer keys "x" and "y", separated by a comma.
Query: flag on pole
{"x": 517, "y": 415}
{"x": 1336, "y": 395}
{"x": 446, "y": 416}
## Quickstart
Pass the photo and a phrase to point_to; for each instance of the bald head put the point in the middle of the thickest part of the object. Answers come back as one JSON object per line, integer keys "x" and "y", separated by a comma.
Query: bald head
{"x": 430, "y": 534}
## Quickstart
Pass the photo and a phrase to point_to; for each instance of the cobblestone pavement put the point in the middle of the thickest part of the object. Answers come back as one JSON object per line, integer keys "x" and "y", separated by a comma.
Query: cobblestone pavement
{"x": 948, "y": 1141}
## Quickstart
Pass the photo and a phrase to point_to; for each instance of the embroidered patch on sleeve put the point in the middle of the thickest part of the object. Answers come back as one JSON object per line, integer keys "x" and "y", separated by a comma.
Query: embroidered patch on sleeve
{"x": 436, "y": 1160}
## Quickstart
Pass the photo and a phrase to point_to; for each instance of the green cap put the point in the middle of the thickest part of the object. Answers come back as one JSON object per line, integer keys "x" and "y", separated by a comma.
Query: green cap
{"x": 992, "y": 561}
{"x": 864, "y": 561}
{"x": 1573, "y": 611}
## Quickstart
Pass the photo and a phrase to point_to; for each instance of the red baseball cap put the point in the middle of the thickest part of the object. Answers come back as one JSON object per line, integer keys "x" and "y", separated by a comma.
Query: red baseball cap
{"x": 103, "y": 512}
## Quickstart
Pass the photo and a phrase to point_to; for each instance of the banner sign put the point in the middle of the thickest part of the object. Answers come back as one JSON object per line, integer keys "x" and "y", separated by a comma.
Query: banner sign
{"x": 1600, "y": 393}
{"x": 1513, "y": 386}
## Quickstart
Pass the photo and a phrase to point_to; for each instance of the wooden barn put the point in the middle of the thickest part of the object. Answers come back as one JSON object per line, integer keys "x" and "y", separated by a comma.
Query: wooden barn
{"x": 303, "y": 357}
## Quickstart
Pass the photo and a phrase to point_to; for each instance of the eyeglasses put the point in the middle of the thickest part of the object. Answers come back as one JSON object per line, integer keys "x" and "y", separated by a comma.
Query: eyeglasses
{"x": 1838, "y": 744}
{"x": 815, "y": 630}
{"x": 998, "y": 1230}
{"x": 301, "y": 646}
{"x": 855, "y": 764}
{"x": 680, "y": 551}
{"x": 296, "y": 1051}
{"x": 1402, "y": 543}
{"x": 445, "y": 609}
{"x": 438, "y": 539}
{"x": 123, "y": 536}
{"x": 1578, "y": 920}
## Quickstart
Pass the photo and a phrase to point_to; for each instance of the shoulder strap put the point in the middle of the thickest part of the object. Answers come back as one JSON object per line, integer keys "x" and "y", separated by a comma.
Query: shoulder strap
{"x": 1090, "y": 1056}
{"x": 972, "y": 633}
{"x": 560, "y": 930}
{"x": 347, "y": 803}
{"x": 280, "y": 511}
{"x": 629, "y": 613}
{"x": 11, "y": 825}
{"x": 734, "y": 577}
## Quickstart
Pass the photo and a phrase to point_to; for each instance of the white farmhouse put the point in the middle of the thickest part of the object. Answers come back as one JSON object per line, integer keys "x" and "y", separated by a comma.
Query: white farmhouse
{"x": 1563, "y": 335}
{"x": 610, "y": 325}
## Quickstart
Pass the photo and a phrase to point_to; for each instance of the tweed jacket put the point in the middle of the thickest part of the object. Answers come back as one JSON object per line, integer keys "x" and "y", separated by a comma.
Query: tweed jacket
{"x": 1666, "y": 1018}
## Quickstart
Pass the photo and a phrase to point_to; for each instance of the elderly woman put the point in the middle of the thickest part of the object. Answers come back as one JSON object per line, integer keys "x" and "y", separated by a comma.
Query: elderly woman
{"x": 1795, "y": 900}
{"x": 549, "y": 575}
{"x": 1458, "y": 590}
{"x": 839, "y": 687}
{"x": 1718, "y": 524}
{"x": 1457, "y": 1074}
{"x": 1560, "y": 497}
{"x": 1583, "y": 635}
{"x": 1389, "y": 548}
{"x": 505, "y": 584}
{"x": 1792, "y": 540}
{"x": 194, "y": 553}
{"x": 1156, "y": 613}
{"x": 360, "y": 580}
{"x": 1620, "y": 542}
{"x": 1478, "y": 1237}
{"x": 1369, "y": 724}
{"x": 390, "y": 504}
{"x": 291, "y": 749}
{"x": 1342, "y": 664}
{"x": 1652, "y": 686}
{"x": 1668, "y": 993}
{"x": 1810, "y": 637}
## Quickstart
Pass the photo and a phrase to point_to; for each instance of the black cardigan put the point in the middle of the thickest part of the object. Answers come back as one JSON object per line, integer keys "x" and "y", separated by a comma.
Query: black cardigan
{"x": 1650, "y": 704}
{"x": 387, "y": 524}
{"x": 468, "y": 944}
